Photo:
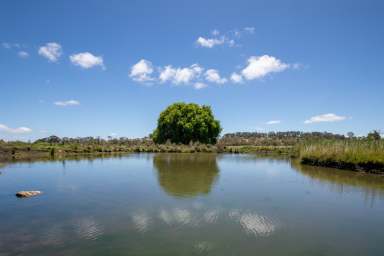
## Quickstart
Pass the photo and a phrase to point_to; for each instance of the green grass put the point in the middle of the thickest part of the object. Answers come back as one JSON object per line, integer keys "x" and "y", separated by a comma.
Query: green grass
{"x": 24, "y": 150}
{"x": 355, "y": 154}
{"x": 283, "y": 150}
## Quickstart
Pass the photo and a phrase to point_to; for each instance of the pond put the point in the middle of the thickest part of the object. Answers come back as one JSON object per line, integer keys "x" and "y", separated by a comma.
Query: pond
{"x": 189, "y": 204}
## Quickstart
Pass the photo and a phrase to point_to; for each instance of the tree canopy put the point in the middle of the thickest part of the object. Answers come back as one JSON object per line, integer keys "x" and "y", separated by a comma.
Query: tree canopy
{"x": 374, "y": 135}
{"x": 185, "y": 123}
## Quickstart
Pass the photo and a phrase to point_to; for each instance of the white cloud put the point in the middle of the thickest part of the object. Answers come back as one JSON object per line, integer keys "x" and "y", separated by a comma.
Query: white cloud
{"x": 67, "y": 103}
{"x": 330, "y": 117}
{"x": 260, "y": 66}
{"x": 18, "y": 130}
{"x": 273, "y": 122}
{"x": 186, "y": 75}
{"x": 231, "y": 43}
{"x": 212, "y": 75}
{"x": 142, "y": 71}
{"x": 209, "y": 42}
{"x": 167, "y": 73}
{"x": 250, "y": 30}
{"x": 197, "y": 69}
{"x": 86, "y": 60}
{"x": 183, "y": 75}
{"x": 23, "y": 54}
{"x": 257, "y": 67}
{"x": 236, "y": 78}
{"x": 238, "y": 33}
{"x": 297, "y": 66}
{"x": 10, "y": 45}
{"x": 199, "y": 85}
{"x": 215, "y": 32}
{"x": 52, "y": 51}
{"x": 226, "y": 38}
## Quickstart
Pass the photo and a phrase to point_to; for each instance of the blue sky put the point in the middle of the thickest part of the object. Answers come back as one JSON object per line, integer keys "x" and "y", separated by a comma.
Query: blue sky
{"x": 96, "y": 68}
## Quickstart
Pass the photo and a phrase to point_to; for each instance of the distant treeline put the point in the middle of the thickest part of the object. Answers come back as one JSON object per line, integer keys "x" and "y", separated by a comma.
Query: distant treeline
{"x": 96, "y": 141}
{"x": 289, "y": 138}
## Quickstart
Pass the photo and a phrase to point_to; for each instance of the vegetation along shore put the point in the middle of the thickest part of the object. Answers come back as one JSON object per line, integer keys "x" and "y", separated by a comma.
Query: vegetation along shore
{"x": 189, "y": 128}
{"x": 322, "y": 149}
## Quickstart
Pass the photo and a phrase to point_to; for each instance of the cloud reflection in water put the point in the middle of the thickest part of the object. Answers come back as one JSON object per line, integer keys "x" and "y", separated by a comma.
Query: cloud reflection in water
{"x": 250, "y": 222}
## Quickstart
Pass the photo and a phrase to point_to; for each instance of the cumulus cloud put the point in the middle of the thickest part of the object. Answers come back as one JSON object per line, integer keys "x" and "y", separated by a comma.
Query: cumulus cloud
{"x": 142, "y": 71}
{"x": 209, "y": 42}
{"x": 273, "y": 122}
{"x": 86, "y": 60}
{"x": 18, "y": 130}
{"x": 260, "y": 66}
{"x": 212, "y": 75}
{"x": 199, "y": 85}
{"x": 167, "y": 73}
{"x": 226, "y": 38}
{"x": 67, "y": 103}
{"x": 186, "y": 75}
{"x": 52, "y": 51}
{"x": 181, "y": 75}
{"x": 236, "y": 78}
{"x": 23, "y": 54}
{"x": 330, "y": 117}
{"x": 198, "y": 77}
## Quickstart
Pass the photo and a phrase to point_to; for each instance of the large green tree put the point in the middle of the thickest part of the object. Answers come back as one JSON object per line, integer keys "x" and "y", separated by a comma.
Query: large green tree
{"x": 183, "y": 123}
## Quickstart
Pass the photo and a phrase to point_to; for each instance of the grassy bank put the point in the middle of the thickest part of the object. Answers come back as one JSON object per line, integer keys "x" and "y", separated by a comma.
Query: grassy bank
{"x": 23, "y": 150}
{"x": 361, "y": 154}
{"x": 279, "y": 150}
{"x": 353, "y": 154}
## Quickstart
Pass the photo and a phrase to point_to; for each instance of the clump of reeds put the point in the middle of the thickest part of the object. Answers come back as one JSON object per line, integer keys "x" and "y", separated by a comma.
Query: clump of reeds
{"x": 356, "y": 154}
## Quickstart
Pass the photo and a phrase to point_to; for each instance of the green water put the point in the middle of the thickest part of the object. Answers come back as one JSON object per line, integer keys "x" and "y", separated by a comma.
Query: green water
{"x": 189, "y": 204}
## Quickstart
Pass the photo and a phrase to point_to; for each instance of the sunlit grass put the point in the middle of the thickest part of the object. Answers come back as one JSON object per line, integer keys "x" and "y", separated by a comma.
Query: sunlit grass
{"x": 349, "y": 153}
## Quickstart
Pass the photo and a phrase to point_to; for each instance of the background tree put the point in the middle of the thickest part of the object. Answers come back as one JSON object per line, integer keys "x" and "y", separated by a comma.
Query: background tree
{"x": 183, "y": 123}
{"x": 374, "y": 135}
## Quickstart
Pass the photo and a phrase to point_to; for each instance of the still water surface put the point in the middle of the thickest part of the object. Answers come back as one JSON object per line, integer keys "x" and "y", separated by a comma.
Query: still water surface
{"x": 189, "y": 204}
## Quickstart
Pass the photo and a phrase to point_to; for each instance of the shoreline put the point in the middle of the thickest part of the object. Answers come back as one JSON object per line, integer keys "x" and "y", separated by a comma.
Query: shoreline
{"x": 367, "y": 167}
{"x": 58, "y": 152}
{"x": 20, "y": 155}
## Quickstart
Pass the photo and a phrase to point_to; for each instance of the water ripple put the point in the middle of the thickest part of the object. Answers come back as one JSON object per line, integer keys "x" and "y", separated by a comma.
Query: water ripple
{"x": 141, "y": 222}
{"x": 256, "y": 224}
{"x": 203, "y": 247}
{"x": 87, "y": 228}
{"x": 211, "y": 216}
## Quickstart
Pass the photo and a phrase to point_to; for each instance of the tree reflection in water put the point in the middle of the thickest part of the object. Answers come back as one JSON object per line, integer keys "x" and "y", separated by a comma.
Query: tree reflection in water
{"x": 186, "y": 175}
